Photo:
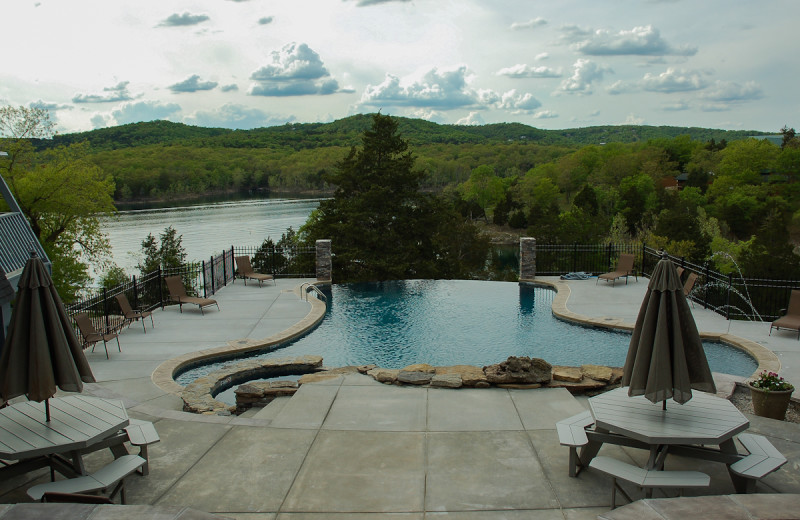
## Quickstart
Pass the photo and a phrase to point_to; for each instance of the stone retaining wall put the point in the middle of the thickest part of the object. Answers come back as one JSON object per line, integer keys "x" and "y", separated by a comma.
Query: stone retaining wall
{"x": 515, "y": 372}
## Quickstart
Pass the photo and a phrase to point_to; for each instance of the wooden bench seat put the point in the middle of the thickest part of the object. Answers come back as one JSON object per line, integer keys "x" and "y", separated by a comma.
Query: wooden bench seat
{"x": 646, "y": 479}
{"x": 110, "y": 475}
{"x": 572, "y": 433}
{"x": 762, "y": 460}
{"x": 142, "y": 434}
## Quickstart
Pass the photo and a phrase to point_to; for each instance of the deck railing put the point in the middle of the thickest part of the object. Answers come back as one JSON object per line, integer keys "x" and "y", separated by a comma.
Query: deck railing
{"x": 731, "y": 295}
{"x": 204, "y": 278}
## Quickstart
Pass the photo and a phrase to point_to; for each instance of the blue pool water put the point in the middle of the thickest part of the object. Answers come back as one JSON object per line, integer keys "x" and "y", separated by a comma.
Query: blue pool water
{"x": 451, "y": 322}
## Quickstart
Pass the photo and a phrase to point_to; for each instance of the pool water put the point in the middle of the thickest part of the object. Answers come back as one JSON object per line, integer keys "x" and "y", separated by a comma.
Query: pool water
{"x": 459, "y": 322}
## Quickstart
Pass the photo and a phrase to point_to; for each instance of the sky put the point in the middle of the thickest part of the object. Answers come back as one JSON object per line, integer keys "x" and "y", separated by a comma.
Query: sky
{"x": 244, "y": 64}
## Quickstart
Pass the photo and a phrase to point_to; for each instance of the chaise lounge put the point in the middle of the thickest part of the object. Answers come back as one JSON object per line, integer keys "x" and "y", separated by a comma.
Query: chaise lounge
{"x": 177, "y": 293}
{"x": 245, "y": 269}
{"x": 791, "y": 320}
{"x": 624, "y": 268}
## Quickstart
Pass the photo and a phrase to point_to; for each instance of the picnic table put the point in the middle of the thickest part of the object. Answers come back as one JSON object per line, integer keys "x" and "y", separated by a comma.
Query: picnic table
{"x": 77, "y": 423}
{"x": 704, "y": 427}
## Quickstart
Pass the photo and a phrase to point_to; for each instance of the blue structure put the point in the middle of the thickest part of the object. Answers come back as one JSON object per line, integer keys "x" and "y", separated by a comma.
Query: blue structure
{"x": 17, "y": 240}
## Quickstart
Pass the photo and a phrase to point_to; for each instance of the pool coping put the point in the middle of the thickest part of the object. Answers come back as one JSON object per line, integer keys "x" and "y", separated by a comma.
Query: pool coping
{"x": 766, "y": 359}
{"x": 163, "y": 375}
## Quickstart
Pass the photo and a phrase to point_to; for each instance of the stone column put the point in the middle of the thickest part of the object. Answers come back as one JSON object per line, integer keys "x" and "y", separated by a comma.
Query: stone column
{"x": 324, "y": 261}
{"x": 527, "y": 259}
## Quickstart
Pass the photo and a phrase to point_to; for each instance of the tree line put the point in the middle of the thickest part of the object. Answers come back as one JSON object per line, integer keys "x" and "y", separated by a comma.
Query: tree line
{"x": 703, "y": 194}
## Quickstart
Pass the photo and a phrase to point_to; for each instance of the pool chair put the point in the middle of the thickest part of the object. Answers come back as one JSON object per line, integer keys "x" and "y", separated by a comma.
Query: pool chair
{"x": 130, "y": 314}
{"x": 177, "y": 293}
{"x": 624, "y": 268}
{"x": 245, "y": 270}
{"x": 791, "y": 319}
{"x": 91, "y": 335}
{"x": 688, "y": 286}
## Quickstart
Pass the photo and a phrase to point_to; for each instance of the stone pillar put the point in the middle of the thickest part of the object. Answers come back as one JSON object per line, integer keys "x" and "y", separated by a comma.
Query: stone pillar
{"x": 527, "y": 259}
{"x": 324, "y": 261}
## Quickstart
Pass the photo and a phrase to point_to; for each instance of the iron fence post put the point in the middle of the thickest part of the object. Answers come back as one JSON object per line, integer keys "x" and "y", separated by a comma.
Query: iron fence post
{"x": 105, "y": 310}
{"x": 160, "y": 291}
{"x": 135, "y": 294}
{"x": 574, "y": 257}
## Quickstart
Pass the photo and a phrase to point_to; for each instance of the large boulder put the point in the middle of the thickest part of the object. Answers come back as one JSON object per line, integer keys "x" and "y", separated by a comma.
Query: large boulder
{"x": 519, "y": 370}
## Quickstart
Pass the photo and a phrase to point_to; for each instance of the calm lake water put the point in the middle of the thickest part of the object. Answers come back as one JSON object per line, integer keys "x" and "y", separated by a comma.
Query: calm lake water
{"x": 206, "y": 228}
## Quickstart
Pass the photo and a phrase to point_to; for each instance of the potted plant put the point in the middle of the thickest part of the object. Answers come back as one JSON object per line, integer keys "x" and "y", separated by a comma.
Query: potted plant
{"x": 771, "y": 394}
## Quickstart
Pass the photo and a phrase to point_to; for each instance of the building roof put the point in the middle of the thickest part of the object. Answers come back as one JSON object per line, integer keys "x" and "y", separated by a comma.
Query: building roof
{"x": 17, "y": 239}
{"x": 6, "y": 291}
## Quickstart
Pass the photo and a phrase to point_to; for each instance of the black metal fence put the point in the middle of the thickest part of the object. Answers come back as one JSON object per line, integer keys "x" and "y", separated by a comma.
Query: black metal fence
{"x": 200, "y": 278}
{"x": 731, "y": 295}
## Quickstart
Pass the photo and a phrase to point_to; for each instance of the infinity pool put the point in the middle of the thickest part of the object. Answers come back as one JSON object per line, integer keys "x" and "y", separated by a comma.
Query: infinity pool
{"x": 452, "y": 322}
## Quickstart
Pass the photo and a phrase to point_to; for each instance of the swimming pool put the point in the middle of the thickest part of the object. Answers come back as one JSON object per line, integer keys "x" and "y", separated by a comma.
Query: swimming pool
{"x": 451, "y": 322}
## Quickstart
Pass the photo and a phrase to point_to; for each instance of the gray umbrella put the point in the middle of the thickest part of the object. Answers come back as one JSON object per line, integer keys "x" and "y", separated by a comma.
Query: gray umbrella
{"x": 41, "y": 351}
{"x": 666, "y": 357}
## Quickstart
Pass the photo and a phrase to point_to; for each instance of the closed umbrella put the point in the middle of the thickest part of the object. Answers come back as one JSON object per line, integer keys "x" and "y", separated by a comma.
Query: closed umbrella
{"x": 41, "y": 350}
{"x": 666, "y": 358}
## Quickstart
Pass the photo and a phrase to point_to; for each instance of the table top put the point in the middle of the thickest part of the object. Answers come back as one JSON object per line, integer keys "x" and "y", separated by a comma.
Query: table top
{"x": 704, "y": 419}
{"x": 77, "y": 421}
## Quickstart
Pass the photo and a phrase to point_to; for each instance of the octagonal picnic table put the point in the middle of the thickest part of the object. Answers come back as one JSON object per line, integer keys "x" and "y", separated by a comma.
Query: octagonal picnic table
{"x": 682, "y": 429}
{"x": 77, "y": 423}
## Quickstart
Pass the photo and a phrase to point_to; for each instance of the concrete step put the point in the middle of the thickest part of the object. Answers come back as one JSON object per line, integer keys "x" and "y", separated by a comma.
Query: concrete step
{"x": 271, "y": 410}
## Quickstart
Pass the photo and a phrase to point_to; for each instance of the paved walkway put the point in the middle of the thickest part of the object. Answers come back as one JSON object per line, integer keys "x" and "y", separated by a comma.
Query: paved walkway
{"x": 354, "y": 448}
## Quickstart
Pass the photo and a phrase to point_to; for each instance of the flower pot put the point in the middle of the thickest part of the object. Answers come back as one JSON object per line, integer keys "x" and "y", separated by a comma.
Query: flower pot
{"x": 772, "y": 403}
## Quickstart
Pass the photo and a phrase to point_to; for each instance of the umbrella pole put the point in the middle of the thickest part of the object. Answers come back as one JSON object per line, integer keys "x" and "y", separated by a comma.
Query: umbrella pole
{"x": 47, "y": 409}
{"x": 663, "y": 405}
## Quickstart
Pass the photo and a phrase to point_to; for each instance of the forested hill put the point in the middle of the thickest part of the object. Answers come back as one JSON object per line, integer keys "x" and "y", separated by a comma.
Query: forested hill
{"x": 347, "y": 132}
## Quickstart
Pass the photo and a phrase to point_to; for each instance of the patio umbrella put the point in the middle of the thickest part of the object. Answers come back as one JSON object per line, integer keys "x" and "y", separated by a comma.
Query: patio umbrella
{"x": 41, "y": 351}
{"x": 666, "y": 358}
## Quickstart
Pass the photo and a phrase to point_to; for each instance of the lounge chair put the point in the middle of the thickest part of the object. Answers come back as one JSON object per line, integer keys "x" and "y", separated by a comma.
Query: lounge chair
{"x": 131, "y": 314}
{"x": 689, "y": 285}
{"x": 791, "y": 319}
{"x": 91, "y": 335}
{"x": 177, "y": 293}
{"x": 680, "y": 271}
{"x": 624, "y": 268}
{"x": 246, "y": 271}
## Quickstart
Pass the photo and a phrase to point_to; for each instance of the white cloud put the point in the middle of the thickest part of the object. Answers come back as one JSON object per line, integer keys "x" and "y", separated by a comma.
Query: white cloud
{"x": 545, "y": 114}
{"x": 527, "y": 71}
{"x": 192, "y": 84}
{"x": 295, "y": 70}
{"x": 732, "y": 92}
{"x": 236, "y": 116}
{"x": 472, "y": 119}
{"x": 443, "y": 90}
{"x": 233, "y": 87}
{"x": 530, "y": 24}
{"x": 633, "y": 119}
{"x": 364, "y": 3}
{"x": 620, "y": 87}
{"x": 644, "y": 40}
{"x": 144, "y": 111}
{"x": 585, "y": 73}
{"x": 542, "y": 56}
{"x": 674, "y": 81}
{"x": 266, "y": 20}
{"x": 118, "y": 92}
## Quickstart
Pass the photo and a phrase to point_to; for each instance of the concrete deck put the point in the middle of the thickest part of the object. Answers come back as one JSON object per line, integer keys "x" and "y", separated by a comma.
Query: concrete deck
{"x": 354, "y": 448}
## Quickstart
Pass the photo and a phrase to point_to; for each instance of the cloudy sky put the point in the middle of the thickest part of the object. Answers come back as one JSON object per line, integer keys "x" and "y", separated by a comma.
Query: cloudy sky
{"x": 551, "y": 64}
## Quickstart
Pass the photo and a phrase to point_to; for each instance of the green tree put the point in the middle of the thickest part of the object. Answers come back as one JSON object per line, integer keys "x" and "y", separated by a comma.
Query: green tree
{"x": 483, "y": 187}
{"x": 636, "y": 197}
{"x": 62, "y": 194}
{"x": 165, "y": 253}
{"x": 383, "y": 226}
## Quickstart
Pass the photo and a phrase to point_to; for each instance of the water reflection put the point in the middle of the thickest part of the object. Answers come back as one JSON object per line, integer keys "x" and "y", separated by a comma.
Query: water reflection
{"x": 206, "y": 228}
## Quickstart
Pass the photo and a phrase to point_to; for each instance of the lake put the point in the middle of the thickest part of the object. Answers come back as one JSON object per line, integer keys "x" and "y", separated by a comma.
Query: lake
{"x": 206, "y": 228}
